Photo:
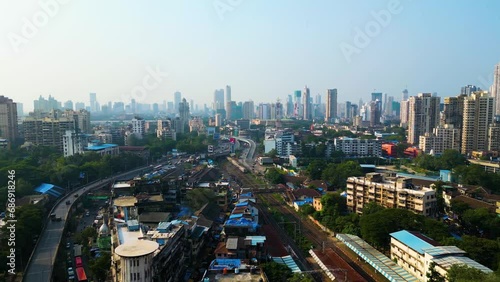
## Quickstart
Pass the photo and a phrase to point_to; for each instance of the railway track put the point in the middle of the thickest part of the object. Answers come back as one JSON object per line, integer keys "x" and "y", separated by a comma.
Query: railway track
{"x": 247, "y": 181}
{"x": 320, "y": 239}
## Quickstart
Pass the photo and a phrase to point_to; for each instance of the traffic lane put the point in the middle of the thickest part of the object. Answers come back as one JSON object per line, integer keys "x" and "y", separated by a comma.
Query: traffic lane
{"x": 33, "y": 270}
{"x": 41, "y": 268}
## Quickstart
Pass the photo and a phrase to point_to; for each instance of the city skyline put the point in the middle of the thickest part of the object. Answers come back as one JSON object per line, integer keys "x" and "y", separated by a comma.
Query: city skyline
{"x": 150, "y": 52}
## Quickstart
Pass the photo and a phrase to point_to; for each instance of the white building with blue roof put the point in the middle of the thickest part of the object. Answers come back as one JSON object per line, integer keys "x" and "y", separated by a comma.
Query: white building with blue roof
{"x": 415, "y": 252}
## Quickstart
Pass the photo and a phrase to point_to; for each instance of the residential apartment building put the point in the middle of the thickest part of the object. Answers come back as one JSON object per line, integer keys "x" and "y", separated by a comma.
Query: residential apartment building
{"x": 47, "y": 131}
{"x": 355, "y": 147}
{"x": 8, "y": 120}
{"x": 495, "y": 88}
{"x": 81, "y": 118}
{"x": 478, "y": 115}
{"x": 390, "y": 192}
{"x": 415, "y": 252}
{"x": 404, "y": 113}
{"x": 138, "y": 127}
{"x": 423, "y": 116}
{"x": 442, "y": 138}
{"x": 453, "y": 111}
{"x": 494, "y": 136}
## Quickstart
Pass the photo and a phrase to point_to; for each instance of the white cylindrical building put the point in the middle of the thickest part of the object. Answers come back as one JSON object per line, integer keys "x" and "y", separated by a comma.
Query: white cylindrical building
{"x": 136, "y": 260}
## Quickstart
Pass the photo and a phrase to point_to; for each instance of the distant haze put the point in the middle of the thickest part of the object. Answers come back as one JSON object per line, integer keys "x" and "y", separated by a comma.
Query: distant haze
{"x": 264, "y": 49}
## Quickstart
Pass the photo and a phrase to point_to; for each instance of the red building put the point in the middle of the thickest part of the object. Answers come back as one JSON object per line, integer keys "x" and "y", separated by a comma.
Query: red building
{"x": 389, "y": 150}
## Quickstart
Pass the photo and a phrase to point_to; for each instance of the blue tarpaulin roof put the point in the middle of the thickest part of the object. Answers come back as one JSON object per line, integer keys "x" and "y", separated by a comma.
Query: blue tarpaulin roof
{"x": 50, "y": 189}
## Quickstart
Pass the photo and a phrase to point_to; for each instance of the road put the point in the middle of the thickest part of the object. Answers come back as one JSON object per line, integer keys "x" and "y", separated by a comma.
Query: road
{"x": 44, "y": 255}
{"x": 248, "y": 159}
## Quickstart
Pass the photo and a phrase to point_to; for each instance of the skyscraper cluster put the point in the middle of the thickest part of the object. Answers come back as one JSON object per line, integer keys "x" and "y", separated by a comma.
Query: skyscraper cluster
{"x": 468, "y": 122}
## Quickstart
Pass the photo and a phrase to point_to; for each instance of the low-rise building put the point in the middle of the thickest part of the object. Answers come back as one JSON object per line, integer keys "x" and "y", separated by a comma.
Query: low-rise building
{"x": 355, "y": 147}
{"x": 415, "y": 253}
{"x": 317, "y": 205}
{"x": 390, "y": 192}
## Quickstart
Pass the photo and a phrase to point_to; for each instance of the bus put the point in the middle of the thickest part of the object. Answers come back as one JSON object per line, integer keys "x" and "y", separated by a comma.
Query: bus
{"x": 80, "y": 274}
{"x": 158, "y": 167}
{"x": 78, "y": 262}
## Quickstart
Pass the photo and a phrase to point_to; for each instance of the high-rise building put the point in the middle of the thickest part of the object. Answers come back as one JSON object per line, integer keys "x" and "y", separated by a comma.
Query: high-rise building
{"x": 68, "y": 105}
{"x": 453, "y": 111}
{"x": 388, "y": 111}
{"x": 133, "y": 106}
{"x": 184, "y": 110}
{"x": 228, "y": 102}
{"x": 81, "y": 106}
{"x": 404, "y": 112}
{"x": 478, "y": 115}
{"x": 264, "y": 111}
{"x": 423, "y": 116}
{"x": 494, "y": 135}
{"x": 289, "y": 106}
{"x": 138, "y": 126}
{"x": 46, "y": 105}
{"x": 118, "y": 107}
{"x": 444, "y": 137}
{"x": 375, "y": 113}
{"x": 218, "y": 99}
{"x": 469, "y": 89}
{"x": 306, "y": 101}
{"x": 377, "y": 97}
{"x": 183, "y": 115}
{"x": 248, "y": 110}
{"x": 297, "y": 104}
{"x": 177, "y": 100}
{"x": 331, "y": 105}
{"x": 20, "y": 109}
{"x": 218, "y": 120}
{"x": 404, "y": 95}
{"x": 495, "y": 88}
{"x": 317, "y": 99}
{"x": 8, "y": 120}
{"x": 156, "y": 108}
{"x": 48, "y": 131}
{"x": 93, "y": 101}
{"x": 82, "y": 120}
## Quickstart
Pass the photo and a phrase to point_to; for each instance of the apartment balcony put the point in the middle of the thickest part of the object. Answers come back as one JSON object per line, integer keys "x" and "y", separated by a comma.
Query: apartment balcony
{"x": 360, "y": 189}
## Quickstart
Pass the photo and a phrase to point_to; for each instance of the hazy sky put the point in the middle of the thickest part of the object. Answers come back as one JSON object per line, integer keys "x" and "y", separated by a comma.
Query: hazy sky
{"x": 264, "y": 49}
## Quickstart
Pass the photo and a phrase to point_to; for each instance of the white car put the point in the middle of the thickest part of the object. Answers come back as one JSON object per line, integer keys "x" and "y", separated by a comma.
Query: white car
{"x": 71, "y": 273}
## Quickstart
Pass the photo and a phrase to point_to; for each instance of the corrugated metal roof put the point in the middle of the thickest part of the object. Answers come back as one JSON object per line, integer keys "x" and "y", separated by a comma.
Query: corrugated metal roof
{"x": 411, "y": 241}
